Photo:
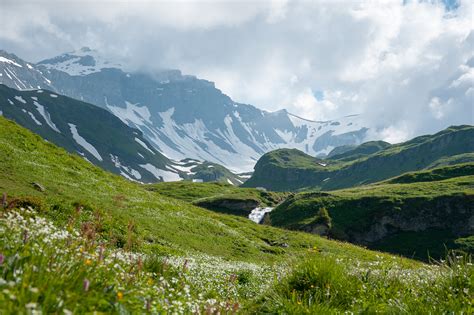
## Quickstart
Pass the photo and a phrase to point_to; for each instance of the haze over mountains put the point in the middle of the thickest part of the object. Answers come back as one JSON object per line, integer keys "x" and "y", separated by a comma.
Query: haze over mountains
{"x": 181, "y": 116}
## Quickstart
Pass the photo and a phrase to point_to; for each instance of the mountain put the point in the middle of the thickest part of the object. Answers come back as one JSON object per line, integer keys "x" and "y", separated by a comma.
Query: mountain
{"x": 415, "y": 214}
{"x": 115, "y": 246}
{"x": 92, "y": 132}
{"x": 186, "y": 117}
{"x": 21, "y": 75}
{"x": 286, "y": 169}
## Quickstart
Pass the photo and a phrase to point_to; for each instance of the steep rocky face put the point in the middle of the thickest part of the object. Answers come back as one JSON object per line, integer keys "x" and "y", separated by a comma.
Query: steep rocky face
{"x": 186, "y": 117}
{"x": 417, "y": 212}
{"x": 453, "y": 213}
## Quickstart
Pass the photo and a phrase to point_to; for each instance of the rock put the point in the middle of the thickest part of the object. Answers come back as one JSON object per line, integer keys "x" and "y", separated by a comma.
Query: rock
{"x": 38, "y": 187}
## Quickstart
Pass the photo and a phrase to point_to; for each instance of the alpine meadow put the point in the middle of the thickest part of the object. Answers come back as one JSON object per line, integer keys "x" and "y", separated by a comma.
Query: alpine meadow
{"x": 137, "y": 176}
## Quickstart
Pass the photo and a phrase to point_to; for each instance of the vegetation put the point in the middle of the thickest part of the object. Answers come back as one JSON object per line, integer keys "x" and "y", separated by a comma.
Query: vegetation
{"x": 430, "y": 206}
{"x": 331, "y": 286}
{"x": 356, "y": 152}
{"x": 293, "y": 170}
{"x": 219, "y": 196}
{"x": 76, "y": 239}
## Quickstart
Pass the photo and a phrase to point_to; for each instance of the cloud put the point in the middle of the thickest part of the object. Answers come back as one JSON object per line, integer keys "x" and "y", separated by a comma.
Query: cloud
{"x": 404, "y": 66}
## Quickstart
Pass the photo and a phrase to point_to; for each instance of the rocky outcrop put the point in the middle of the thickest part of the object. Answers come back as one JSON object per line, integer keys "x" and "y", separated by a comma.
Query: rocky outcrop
{"x": 454, "y": 213}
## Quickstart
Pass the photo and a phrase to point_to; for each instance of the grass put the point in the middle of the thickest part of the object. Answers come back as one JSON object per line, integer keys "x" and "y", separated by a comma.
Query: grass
{"x": 437, "y": 202}
{"x": 333, "y": 286}
{"x": 293, "y": 170}
{"x": 95, "y": 242}
{"x": 220, "y": 197}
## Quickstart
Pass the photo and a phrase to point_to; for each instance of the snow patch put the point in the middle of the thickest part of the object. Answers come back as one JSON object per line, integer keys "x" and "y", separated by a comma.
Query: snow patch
{"x": 131, "y": 113}
{"x": 83, "y": 143}
{"x": 6, "y": 60}
{"x": 161, "y": 174}
{"x": 53, "y": 95}
{"x": 34, "y": 119}
{"x": 143, "y": 144}
{"x": 20, "y": 99}
{"x": 47, "y": 117}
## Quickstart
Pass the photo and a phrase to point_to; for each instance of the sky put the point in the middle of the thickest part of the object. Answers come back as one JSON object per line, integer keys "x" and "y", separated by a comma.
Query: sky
{"x": 407, "y": 67}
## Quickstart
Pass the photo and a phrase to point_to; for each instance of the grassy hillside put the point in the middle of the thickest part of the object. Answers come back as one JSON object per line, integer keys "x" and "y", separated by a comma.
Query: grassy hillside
{"x": 219, "y": 197}
{"x": 76, "y": 239}
{"x": 356, "y": 152}
{"x": 290, "y": 170}
{"x": 413, "y": 214}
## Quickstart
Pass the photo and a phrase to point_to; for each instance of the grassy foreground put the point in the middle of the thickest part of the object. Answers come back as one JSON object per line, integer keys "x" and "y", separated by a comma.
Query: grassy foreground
{"x": 76, "y": 239}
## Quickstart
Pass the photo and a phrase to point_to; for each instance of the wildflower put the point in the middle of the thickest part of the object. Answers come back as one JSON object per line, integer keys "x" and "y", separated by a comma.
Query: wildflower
{"x": 85, "y": 285}
{"x": 88, "y": 262}
{"x": 119, "y": 296}
{"x": 31, "y": 305}
{"x": 34, "y": 290}
{"x": 2, "y": 259}
{"x": 150, "y": 281}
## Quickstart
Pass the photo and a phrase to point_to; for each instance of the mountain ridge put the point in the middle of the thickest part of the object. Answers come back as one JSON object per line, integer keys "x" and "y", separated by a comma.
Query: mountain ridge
{"x": 186, "y": 117}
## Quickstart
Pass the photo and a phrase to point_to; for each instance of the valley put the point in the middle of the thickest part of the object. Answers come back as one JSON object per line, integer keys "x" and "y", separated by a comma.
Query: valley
{"x": 133, "y": 192}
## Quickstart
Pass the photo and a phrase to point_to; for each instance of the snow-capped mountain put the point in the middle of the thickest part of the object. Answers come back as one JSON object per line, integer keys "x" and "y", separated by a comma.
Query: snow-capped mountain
{"x": 21, "y": 75}
{"x": 186, "y": 117}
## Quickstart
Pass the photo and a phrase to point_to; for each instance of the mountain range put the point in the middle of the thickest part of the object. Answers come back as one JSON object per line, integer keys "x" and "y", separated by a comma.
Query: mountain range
{"x": 179, "y": 115}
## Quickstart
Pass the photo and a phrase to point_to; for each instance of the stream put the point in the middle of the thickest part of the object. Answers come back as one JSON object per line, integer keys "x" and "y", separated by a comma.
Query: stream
{"x": 256, "y": 215}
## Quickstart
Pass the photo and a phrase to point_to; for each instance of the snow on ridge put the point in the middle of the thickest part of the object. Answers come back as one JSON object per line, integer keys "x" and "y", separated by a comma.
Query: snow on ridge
{"x": 138, "y": 115}
{"x": 47, "y": 117}
{"x": 83, "y": 142}
{"x": 6, "y": 60}
{"x": 80, "y": 63}
{"x": 143, "y": 144}
{"x": 161, "y": 174}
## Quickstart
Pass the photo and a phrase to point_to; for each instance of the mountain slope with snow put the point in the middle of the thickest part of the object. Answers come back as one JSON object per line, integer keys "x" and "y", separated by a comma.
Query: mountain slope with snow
{"x": 186, "y": 117}
{"x": 94, "y": 133}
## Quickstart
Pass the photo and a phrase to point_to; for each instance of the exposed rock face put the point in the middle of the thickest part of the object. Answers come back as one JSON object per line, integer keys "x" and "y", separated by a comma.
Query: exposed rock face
{"x": 454, "y": 213}
{"x": 242, "y": 206}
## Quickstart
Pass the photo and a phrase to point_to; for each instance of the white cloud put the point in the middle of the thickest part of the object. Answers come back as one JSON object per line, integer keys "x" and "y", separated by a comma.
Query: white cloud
{"x": 403, "y": 67}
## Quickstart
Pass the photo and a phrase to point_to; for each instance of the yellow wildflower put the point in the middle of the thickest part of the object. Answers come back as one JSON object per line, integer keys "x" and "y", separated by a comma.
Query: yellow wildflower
{"x": 88, "y": 262}
{"x": 119, "y": 295}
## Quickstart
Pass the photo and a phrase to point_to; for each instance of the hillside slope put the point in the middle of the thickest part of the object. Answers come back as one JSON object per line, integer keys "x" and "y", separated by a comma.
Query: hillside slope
{"x": 92, "y": 132}
{"x": 293, "y": 170}
{"x": 76, "y": 239}
{"x": 416, "y": 213}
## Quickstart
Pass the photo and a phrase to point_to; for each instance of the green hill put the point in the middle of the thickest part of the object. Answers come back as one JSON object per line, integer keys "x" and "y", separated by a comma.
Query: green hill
{"x": 220, "y": 197}
{"x": 287, "y": 170}
{"x": 415, "y": 214}
{"x": 77, "y": 239}
{"x": 346, "y": 153}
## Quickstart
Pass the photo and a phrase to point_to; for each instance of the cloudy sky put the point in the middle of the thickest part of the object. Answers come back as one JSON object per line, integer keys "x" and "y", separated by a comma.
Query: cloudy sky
{"x": 406, "y": 66}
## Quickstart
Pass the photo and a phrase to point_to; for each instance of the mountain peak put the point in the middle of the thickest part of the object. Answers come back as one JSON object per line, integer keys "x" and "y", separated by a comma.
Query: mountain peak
{"x": 79, "y": 62}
